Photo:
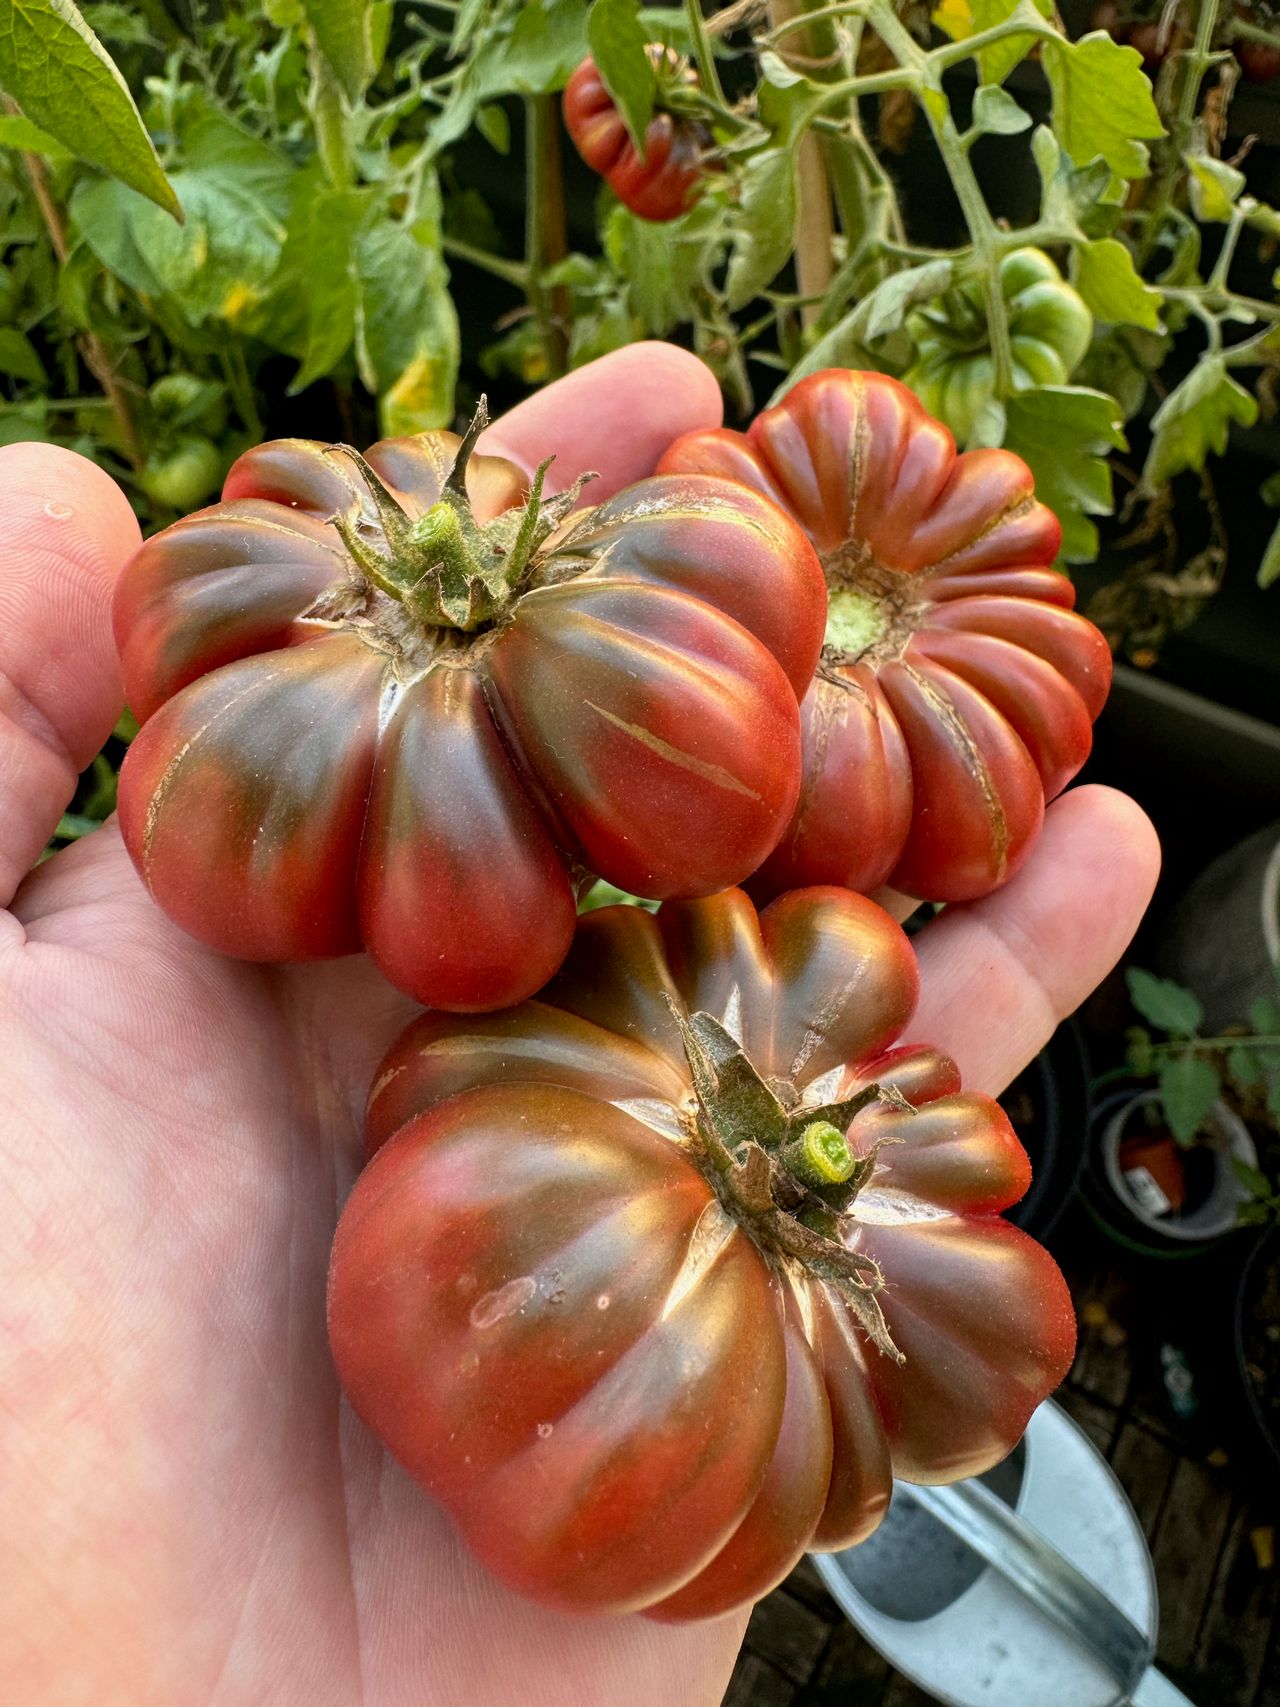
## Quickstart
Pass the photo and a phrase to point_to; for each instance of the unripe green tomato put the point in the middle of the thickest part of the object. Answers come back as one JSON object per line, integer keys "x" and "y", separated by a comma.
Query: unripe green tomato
{"x": 182, "y": 477}
{"x": 954, "y": 371}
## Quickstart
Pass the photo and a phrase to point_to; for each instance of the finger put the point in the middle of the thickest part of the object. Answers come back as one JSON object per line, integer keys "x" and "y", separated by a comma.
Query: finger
{"x": 614, "y": 417}
{"x": 68, "y": 530}
{"x": 998, "y": 975}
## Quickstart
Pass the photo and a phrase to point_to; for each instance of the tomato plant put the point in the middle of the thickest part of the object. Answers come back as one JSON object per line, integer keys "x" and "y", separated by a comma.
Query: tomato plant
{"x": 370, "y": 716}
{"x": 954, "y": 370}
{"x": 658, "y": 1281}
{"x": 958, "y": 687}
{"x": 660, "y": 185}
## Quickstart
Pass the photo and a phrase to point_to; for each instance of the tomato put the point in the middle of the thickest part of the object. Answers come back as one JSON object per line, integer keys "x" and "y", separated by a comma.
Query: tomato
{"x": 648, "y": 1343}
{"x": 953, "y": 373}
{"x": 958, "y": 687}
{"x": 1259, "y": 60}
{"x": 184, "y": 473}
{"x": 367, "y": 719}
{"x": 665, "y": 183}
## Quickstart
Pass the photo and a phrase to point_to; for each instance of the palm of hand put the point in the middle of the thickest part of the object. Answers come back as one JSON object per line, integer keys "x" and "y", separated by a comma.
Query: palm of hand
{"x": 197, "y": 1514}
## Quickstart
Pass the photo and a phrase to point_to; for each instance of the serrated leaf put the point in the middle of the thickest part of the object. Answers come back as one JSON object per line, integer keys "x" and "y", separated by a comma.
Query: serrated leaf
{"x": 1189, "y": 1087}
{"x": 1269, "y": 568}
{"x": 60, "y": 74}
{"x": 1104, "y": 274}
{"x": 618, "y": 46}
{"x": 996, "y": 113}
{"x": 1164, "y": 1003}
{"x": 1213, "y": 186}
{"x": 236, "y": 192}
{"x": 18, "y": 356}
{"x": 520, "y": 49}
{"x": 341, "y": 29}
{"x": 1102, "y": 102}
{"x": 1065, "y": 434}
{"x": 1193, "y": 421}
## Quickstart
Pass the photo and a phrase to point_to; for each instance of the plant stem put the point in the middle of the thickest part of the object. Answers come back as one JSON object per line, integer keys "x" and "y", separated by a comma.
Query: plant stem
{"x": 703, "y": 53}
{"x": 511, "y": 272}
{"x": 545, "y": 239}
{"x": 983, "y": 231}
{"x": 1193, "y": 63}
{"x": 815, "y": 229}
{"x": 91, "y": 347}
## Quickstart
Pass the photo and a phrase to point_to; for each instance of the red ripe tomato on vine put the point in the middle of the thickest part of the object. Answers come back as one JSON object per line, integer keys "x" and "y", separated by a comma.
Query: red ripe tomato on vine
{"x": 664, "y": 182}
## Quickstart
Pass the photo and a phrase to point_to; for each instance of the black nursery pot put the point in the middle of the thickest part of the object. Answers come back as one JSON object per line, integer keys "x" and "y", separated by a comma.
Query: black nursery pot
{"x": 1049, "y": 1106}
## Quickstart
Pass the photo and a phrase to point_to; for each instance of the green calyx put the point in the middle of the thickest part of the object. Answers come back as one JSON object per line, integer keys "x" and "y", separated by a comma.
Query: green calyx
{"x": 786, "y": 1172}
{"x": 447, "y": 569}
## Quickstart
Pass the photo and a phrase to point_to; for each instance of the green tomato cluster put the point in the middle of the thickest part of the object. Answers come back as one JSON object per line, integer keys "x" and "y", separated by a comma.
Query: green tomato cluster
{"x": 954, "y": 371}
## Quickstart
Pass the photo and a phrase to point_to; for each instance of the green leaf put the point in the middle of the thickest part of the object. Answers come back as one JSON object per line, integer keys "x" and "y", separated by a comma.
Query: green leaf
{"x": 1269, "y": 568}
{"x": 964, "y": 18}
{"x": 495, "y": 127}
{"x": 996, "y": 113}
{"x": 1273, "y": 1100}
{"x": 1102, "y": 102}
{"x": 1164, "y": 1003}
{"x": 764, "y": 230}
{"x": 1189, "y": 1087}
{"x": 1264, "y": 1016}
{"x": 18, "y": 357}
{"x": 662, "y": 265}
{"x": 884, "y": 309}
{"x": 1194, "y": 419}
{"x": 1243, "y": 1065}
{"x": 1138, "y": 1055}
{"x": 60, "y": 74}
{"x": 318, "y": 274}
{"x": 19, "y": 132}
{"x": 1254, "y": 1181}
{"x": 236, "y": 194}
{"x": 406, "y": 325}
{"x": 1065, "y": 434}
{"x": 528, "y": 48}
{"x": 618, "y": 46}
{"x": 341, "y": 29}
{"x": 1104, "y": 274}
{"x": 1213, "y": 186}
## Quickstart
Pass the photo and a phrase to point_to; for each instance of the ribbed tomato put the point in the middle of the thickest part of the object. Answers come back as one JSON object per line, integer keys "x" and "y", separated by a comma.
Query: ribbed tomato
{"x": 370, "y": 720}
{"x": 664, "y": 184}
{"x": 619, "y": 1291}
{"x": 958, "y": 687}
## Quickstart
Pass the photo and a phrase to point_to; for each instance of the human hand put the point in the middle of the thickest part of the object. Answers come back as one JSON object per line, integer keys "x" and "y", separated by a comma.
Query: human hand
{"x": 188, "y": 1511}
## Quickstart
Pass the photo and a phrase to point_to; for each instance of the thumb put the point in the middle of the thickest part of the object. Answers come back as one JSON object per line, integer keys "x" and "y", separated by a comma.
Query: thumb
{"x": 68, "y": 532}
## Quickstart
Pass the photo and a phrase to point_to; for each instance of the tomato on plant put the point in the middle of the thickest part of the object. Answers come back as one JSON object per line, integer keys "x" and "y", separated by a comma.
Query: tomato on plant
{"x": 954, "y": 372}
{"x": 659, "y": 1280}
{"x": 373, "y": 717}
{"x": 662, "y": 185}
{"x": 958, "y": 687}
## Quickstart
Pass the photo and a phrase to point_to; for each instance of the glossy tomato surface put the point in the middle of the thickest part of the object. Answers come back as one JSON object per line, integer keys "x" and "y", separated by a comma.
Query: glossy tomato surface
{"x": 659, "y": 187}
{"x": 630, "y": 1390}
{"x": 958, "y": 687}
{"x": 318, "y": 771}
